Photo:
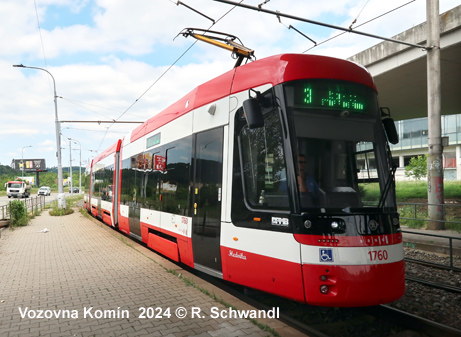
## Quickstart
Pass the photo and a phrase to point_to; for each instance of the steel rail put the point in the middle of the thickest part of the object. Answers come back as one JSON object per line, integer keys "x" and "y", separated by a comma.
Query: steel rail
{"x": 434, "y": 284}
{"x": 416, "y": 323}
{"x": 432, "y": 264}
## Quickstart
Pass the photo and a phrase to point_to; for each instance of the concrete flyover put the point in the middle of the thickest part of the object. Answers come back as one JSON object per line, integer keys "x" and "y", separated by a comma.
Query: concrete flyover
{"x": 400, "y": 71}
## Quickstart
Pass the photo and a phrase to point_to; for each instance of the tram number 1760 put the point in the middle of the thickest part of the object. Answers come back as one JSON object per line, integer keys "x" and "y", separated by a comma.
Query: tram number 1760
{"x": 378, "y": 255}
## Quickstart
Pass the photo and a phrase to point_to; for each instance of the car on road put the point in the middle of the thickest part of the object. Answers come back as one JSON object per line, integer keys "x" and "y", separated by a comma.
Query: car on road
{"x": 44, "y": 190}
{"x": 73, "y": 190}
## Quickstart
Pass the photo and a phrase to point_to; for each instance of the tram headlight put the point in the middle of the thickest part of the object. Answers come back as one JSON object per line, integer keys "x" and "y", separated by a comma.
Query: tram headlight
{"x": 307, "y": 224}
{"x": 338, "y": 226}
{"x": 324, "y": 289}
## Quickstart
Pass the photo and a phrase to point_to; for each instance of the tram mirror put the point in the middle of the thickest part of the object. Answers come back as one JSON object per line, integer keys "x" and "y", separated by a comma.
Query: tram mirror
{"x": 253, "y": 113}
{"x": 391, "y": 131}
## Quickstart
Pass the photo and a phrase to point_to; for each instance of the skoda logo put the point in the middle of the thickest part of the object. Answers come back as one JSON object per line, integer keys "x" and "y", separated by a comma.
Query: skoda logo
{"x": 373, "y": 225}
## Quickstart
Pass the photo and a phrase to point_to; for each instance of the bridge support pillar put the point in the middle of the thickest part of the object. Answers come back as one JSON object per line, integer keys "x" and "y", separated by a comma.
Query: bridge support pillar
{"x": 435, "y": 193}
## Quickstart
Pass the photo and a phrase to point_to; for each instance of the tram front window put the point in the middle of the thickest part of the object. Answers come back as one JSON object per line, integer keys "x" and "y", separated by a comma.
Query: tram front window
{"x": 329, "y": 171}
{"x": 338, "y": 152}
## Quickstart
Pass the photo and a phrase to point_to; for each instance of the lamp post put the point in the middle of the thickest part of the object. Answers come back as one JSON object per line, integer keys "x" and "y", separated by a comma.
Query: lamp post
{"x": 22, "y": 159}
{"x": 79, "y": 167}
{"x": 61, "y": 196}
{"x": 70, "y": 169}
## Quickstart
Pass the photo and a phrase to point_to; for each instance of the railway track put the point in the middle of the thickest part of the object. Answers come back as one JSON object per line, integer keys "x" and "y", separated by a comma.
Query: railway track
{"x": 377, "y": 321}
{"x": 433, "y": 284}
{"x": 380, "y": 321}
{"x": 445, "y": 277}
{"x": 332, "y": 322}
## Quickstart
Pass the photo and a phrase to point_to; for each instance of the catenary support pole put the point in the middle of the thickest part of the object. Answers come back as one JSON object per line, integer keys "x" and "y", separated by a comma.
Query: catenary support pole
{"x": 435, "y": 148}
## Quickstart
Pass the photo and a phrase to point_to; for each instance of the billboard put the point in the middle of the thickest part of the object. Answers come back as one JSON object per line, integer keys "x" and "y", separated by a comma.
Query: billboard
{"x": 30, "y": 180}
{"x": 30, "y": 165}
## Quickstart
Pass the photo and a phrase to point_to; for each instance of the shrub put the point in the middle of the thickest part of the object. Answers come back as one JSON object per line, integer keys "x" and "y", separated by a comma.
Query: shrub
{"x": 56, "y": 211}
{"x": 18, "y": 214}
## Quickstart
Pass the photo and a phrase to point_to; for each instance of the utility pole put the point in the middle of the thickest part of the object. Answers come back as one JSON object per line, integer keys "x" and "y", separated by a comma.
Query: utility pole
{"x": 435, "y": 148}
{"x": 70, "y": 169}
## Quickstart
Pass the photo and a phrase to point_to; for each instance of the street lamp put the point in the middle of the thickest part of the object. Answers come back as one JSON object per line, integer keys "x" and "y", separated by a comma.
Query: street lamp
{"x": 70, "y": 169}
{"x": 22, "y": 159}
{"x": 61, "y": 196}
{"x": 79, "y": 167}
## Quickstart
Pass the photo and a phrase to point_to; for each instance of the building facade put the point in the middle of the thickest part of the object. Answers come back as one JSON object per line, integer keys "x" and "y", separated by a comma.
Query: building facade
{"x": 413, "y": 142}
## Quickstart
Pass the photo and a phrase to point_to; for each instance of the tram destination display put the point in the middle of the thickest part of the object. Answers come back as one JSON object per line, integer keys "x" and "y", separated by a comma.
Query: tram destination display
{"x": 327, "y": 94}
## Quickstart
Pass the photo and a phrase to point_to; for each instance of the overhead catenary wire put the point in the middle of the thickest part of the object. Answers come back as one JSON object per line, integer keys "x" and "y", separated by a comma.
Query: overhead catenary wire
{"x": 41, "y": 41}
{"x": 375, "y": 18}
{"x": 82, "y": 105}
{"x": 79, "y": 129}
{"x": 102, "y": 122}
{"x": 289, "y": 16}
{"x": 85, "y": 148}
{"x": 163, "y": 74}
{"x": 196, "y": 11}
{"x": 291, "y": 27}
{"x": 40, "y": 34}
{"x": 263, "y": 3}
{"x": 355, "y": 20}
{"x": 172, "y": 65}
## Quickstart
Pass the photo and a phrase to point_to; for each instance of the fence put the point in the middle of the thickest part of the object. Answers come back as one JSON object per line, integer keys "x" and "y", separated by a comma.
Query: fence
{"x": 450, "y": 210}
{"x": 31, "y": 204}
{"x": 450, "y": 247}
{"x": 419, "y": 212}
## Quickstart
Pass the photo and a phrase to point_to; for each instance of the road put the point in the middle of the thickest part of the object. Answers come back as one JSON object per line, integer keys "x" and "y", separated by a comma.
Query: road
{"x": 4, "y": 200}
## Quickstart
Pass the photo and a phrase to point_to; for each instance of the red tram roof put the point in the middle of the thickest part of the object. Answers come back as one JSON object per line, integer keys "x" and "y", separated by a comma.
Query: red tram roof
{"x": 114, "y": 147}
{"x": 271, "y": 70}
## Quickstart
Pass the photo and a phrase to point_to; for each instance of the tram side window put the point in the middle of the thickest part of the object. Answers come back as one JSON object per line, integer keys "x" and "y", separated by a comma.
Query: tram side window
{"x": 263, "y": 164}
{"x": 125, "y": 183}
{"x": 103, "y": 183}
{"x": 159, "y": 179}
{"x": 133, "y": 192}
{"x": 155, "y": 177}
{"x": 86, "y": 182}
{"x": 169, "y": 180}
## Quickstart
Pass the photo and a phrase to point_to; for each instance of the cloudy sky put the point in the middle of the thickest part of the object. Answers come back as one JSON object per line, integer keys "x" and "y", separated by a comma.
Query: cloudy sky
{"x": 119, "y": 59}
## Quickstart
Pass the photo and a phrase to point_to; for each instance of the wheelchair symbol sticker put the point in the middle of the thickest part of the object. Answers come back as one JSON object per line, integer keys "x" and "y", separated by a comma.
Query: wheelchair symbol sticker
{"x": 326, "y": 255}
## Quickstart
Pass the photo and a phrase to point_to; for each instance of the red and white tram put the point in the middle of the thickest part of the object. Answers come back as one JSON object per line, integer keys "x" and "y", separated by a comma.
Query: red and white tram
{"x": 275, "y": 175}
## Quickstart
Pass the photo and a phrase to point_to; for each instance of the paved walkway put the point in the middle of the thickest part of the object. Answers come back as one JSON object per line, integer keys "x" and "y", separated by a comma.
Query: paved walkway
{"x": 85, "y": 279}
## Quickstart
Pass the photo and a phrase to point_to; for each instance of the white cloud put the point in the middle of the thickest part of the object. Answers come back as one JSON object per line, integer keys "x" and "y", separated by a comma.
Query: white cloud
{"x": 109, "y": 57}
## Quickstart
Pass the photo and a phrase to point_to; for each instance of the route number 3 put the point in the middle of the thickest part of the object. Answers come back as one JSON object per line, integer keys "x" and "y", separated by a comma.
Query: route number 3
{"x": 378, "y": 255}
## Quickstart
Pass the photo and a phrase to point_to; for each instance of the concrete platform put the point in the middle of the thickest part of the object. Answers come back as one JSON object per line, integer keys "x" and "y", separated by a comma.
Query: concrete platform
{"x": 85, "y": 279}
{"x": 432, "y": 240}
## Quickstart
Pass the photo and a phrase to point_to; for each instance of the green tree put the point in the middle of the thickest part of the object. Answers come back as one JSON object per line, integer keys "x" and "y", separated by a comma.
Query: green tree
{"x": 417, "y": 168}
{"x": 49, "y": 179}
{"x": 7, "y": 174}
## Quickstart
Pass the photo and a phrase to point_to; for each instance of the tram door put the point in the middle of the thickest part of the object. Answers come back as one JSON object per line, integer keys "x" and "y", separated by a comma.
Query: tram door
{"x": 206, "y": 219}
{"x": 135, "y": 188}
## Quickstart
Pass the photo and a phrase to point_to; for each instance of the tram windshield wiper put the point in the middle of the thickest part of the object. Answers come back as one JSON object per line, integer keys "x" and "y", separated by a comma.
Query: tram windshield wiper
{"x": 387, "y": 187}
